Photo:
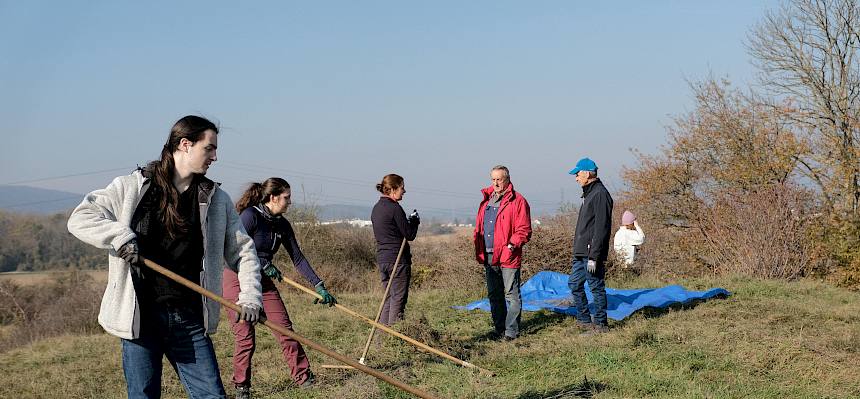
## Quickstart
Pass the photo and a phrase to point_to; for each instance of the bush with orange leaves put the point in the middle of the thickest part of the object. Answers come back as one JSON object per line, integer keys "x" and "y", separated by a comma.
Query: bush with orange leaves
{"x": 724, "y": 196}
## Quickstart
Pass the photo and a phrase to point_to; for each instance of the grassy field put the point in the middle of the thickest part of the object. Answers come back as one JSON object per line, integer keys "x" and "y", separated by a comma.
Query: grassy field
{"x": 771, "y": 339}
{"x": 34, "y": 278}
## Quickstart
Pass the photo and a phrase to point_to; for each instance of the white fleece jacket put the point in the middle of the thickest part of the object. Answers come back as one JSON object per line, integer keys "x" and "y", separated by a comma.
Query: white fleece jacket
{"x": 103, "y": 219}
{"x": 626, "y": 241}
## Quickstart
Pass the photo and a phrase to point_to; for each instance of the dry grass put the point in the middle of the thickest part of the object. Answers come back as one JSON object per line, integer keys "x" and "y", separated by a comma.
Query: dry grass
{"x": 41, "y": 278}
{"x": 771, "y": 339}
{"x": 67, "y": 304}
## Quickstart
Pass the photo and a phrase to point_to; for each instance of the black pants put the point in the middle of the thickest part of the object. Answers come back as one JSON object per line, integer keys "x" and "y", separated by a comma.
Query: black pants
{"x": 395, "y": 302}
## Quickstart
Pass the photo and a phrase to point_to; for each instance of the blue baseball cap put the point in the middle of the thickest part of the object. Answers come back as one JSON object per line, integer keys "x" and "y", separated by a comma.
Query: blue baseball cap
{"x": 584, "y": 164}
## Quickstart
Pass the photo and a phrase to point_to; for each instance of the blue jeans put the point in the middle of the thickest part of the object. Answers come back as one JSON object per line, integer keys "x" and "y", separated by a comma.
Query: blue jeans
{"x": 578, "y": 276}
{"x": 503, "y": 291}
{"x": 178, "y": 334}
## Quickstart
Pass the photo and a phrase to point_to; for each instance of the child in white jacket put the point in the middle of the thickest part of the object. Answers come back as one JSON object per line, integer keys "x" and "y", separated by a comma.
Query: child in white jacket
{"x": 628, "y": 238}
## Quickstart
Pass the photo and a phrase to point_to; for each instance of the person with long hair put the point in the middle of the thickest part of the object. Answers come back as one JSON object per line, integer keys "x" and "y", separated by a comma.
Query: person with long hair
{"x": 390, "y": 228}
{"x": 170, "y": 213}
{"x": 262, "y": 209}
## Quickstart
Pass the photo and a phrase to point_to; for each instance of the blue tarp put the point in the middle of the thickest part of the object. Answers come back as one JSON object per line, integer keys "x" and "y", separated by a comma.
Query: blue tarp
{"x": 549, "y": 290}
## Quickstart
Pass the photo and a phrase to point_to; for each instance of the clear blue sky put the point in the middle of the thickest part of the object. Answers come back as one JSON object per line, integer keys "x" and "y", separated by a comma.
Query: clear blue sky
{"x": 333, "y": 95}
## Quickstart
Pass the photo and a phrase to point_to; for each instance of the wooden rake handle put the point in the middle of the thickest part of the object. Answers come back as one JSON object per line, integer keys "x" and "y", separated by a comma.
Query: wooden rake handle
{"x": 389, "y": 330}
{"x": 280, "y": 329}
{"x": 382, "y": 304}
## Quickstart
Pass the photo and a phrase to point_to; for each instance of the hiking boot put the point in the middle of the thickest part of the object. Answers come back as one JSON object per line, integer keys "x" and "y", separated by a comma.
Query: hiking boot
{"x": 595, "y": 329}
{"x": 584, "y": 325}
{"x": 309, "y": 382}
{"x": 495, "y": 335}
{"x": 243, "y": 392}
{"x": 601, "y": 328}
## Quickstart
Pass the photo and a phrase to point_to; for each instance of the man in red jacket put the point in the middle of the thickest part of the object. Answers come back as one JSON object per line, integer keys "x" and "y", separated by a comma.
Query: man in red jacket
{"x": 502, "y": 227}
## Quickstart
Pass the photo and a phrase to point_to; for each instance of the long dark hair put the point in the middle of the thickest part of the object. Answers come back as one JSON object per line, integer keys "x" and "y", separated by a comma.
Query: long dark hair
{"x": 257, "y": 192}
{"x": 389, "y": 183}
{"x": 192, "y": 128}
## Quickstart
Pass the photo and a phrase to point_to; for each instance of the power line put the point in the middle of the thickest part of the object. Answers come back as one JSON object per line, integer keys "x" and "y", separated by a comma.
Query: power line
{"x": 357, "y": 201}
{"x": 359, "y": 183}
{"x": 66, "y": 176}
{"x": 18, "y": 205}
{"x": 353, "y": 182}
{"x": 288, "y": 172}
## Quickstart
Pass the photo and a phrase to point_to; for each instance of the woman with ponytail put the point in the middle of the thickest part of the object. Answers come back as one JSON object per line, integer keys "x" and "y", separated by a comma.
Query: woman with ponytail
{"x": 390, "y": 228}
{"x": 262, "y": 209}
{"x": 170, "y": 213}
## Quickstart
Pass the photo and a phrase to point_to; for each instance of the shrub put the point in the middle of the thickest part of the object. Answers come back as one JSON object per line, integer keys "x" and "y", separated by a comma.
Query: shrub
{"x": 551, "y": 245}
{"x": 841, "y": 236}
{"x": 67, "y": 305}
{"x": 765, "y": 233}
{"x": 447, "y": 262}
{"x": 343, "y": 256}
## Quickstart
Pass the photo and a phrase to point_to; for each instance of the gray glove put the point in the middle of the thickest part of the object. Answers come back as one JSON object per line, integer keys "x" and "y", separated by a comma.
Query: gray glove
{"x": 131, "y": 254}
{"x": 249, "y": 314}
{"x": 592, "y": 266}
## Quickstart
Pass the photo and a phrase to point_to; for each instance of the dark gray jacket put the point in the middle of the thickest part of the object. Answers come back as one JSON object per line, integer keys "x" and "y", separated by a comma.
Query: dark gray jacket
{"x": 390, "y": 227}
{"x": 594, "y": 224}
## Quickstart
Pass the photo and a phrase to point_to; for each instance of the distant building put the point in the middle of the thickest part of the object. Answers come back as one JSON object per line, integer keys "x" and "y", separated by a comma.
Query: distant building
{"x": 351, "y": 222}
{"x": 360, "y": 223}
{"x": 457, "y": 225}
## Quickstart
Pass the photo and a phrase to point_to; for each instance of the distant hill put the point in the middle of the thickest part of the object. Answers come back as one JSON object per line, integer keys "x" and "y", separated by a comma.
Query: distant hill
{"x": 24, "y": 199}
{"x": 338, "y": 212}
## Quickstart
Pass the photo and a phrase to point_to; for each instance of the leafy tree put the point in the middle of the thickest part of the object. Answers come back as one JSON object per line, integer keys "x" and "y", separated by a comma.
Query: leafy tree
{"x": 807, "y": 53}
{"x": 712, "y": 192}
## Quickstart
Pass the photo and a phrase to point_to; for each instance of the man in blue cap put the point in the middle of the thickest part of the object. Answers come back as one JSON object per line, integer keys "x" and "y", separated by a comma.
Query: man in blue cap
{"x": 591, "y": 247}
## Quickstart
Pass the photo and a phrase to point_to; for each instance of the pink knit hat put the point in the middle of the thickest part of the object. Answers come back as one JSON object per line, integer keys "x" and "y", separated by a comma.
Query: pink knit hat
{"x": 628, "y": 218}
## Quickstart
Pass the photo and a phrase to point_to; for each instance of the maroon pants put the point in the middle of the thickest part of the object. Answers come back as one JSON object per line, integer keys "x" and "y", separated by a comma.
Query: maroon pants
{"x": 276, "y": 312}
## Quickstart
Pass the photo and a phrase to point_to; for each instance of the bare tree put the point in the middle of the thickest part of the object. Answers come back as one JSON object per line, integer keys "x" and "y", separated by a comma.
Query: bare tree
{"x": 807, "y": 54}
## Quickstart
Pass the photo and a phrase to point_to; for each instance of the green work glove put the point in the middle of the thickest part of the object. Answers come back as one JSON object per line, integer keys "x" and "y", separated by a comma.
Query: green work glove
{"x": 272, "y": 272}
{"x": 327, "y": 297}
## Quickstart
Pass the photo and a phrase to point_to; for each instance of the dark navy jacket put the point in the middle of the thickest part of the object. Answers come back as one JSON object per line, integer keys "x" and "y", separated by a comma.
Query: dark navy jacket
{"x": 269, "y": 233}
{"x": 594, "y": 223}
{"x": 390, "y": 226}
